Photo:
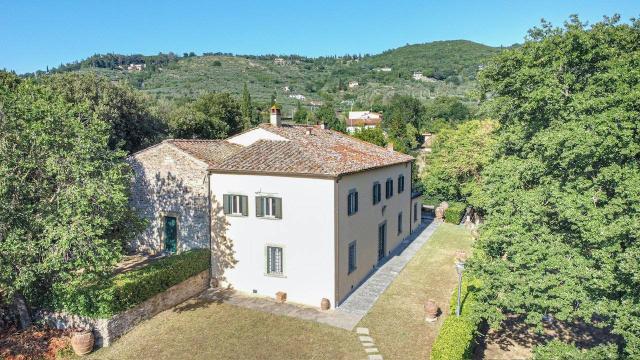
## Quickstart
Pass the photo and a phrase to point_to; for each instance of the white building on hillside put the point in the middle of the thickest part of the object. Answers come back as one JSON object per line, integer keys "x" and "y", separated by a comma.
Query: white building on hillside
{"x": 363, "y": 120}
{"x": 295, "y": 209}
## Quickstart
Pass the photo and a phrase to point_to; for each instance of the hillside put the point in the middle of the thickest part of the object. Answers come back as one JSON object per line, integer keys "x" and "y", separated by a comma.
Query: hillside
{"x": 448, "y": 67}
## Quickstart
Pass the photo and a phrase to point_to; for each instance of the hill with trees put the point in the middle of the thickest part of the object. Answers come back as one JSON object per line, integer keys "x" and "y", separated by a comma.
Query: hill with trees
{"x": 449, "y": 69}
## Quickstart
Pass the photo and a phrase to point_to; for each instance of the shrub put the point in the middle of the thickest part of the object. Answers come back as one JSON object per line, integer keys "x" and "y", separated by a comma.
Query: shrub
{"x": 557, "y": 350}
{"x": 456, "y": 338}
{"x": 455, "y": 212}
{"x": 106, "y": 298}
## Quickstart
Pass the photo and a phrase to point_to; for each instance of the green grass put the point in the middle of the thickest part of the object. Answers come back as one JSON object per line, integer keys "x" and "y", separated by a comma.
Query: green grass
{"x": 219, "y": 331}
{"x": 396, "y": 321}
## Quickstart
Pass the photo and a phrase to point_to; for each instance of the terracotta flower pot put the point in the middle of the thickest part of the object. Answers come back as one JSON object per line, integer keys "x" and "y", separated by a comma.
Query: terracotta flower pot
{"x": 325, "y": 304}
{"x": 431, "y": 311}
{"x": 461, "y": 256}
{"x": 439, "y": 213}
{"x": 82, "y": 342}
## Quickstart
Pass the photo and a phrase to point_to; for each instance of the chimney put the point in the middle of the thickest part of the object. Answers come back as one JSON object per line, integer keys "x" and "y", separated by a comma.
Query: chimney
{"x": 276, "y": 118}
{"x": 390, "y": 146}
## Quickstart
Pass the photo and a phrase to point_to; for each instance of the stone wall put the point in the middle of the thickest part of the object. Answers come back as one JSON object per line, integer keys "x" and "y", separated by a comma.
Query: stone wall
{"x": 168, "y": 182}
{"x": 106, "y": 331}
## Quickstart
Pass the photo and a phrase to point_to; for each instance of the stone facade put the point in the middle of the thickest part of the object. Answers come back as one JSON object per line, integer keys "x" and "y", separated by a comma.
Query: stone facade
{"x": 169, "y": 182}
{"x": 106, "y": 331}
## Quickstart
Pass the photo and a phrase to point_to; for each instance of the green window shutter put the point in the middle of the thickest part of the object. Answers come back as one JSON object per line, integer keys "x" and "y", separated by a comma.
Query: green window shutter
{"x": 226, "y": 203}
{"x": 278, "y": 208}
{"x": 259, "y": 206}
{"x": 349, "y": 204}
{"x": 245, "y": 205}
{"x": 356, "y": 200}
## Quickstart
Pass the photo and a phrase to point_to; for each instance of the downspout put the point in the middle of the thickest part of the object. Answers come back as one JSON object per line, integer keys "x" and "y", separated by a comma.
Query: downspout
{"x": 336, "y": 250}
{"x": 210, "y": 229}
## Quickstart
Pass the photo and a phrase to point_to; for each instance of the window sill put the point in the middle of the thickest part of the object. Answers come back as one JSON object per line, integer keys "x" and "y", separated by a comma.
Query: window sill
{"x": 282, "y": 276}
{"x": 268, "y": 218}
{"x": 237, "y": 215}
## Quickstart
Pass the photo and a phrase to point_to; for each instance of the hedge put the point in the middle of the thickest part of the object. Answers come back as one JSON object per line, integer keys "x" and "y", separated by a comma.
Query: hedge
{"x": 456, "y": 338}
{"x": 455, "y": 212}
{"x": 124, "y": 291}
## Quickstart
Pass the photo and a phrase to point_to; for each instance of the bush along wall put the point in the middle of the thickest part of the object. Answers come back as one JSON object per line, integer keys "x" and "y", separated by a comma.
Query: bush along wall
{"x": 455, "y": 212}
{"x": 456, "y": 339}
{"x": 104, "y": 299}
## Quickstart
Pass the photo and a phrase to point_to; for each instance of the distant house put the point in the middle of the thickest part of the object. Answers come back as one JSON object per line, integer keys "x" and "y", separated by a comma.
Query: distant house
{"x": 286, "y": 89}
{"x": 383, "y": 69}
{"x": 302, "y": 210}
{"x": 297, "y": 96}
{"x": 363, "y": 119}
{"x": 353, "y": 84}
{"x": 314, "y": 105}
{"x": 136, "y": 67}
{"x": 417, "y": 75}
{"x": 279, "y": 61}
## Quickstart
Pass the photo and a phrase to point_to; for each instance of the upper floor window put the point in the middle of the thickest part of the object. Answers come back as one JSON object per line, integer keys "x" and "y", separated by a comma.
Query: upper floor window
{"x": 352, "y": 202}
{"x": 269, "y": 207}
{"x": 389, "y": 188}
{"x": 235, "y": 204}
{"x": 400, "y": 184}
{"x": 377, "y": 193}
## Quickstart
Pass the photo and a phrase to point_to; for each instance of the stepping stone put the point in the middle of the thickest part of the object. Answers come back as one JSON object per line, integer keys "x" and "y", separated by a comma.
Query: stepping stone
{"x": 362, "y": 331}
{"x": 371, "y": 350}
{"x": 367, "y": 344}
{"x": 375, "y": 357}
{"x": 366, "y": 339}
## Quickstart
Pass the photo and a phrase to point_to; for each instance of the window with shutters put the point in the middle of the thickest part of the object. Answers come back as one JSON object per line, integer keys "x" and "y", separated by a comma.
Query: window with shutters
{"x": 377, "y": 194}
{"x": 400, "y": 184}
{"x": 269, "y": 207}
{"x": 389, "y": 188}
{"x": 274, "y": 261}
{"x": 400, "y": 223}
{"x": 352, "y": 257}
{"x": 236, "y": 205}
{"x": 352, "y": 202}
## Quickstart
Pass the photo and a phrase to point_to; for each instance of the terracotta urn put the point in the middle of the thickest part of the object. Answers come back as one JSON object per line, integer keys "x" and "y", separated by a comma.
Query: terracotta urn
{"x": 431, "y": 311}
{"x": 281, "y": 296}
{"x": 461, "y": 256}
{"x": 325, "y": 304}
{"x": 82, "y": 341}
{"x": 444, "y": 205}
{"x": 439, "y": 213}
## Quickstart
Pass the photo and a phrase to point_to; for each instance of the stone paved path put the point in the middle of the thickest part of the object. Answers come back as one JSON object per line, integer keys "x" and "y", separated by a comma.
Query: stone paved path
{"x": 352, "y": 310}
{"x": 363, "y": 298}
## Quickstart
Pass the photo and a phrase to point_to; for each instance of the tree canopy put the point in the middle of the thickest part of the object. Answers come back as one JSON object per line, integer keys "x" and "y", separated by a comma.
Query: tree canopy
{"x": 212, "y": 116}
{"x": 132, "y": 125}
{"x": 452, "y": 171}
{"x": 64, "y": 192}
{"x": 562, "y": 227}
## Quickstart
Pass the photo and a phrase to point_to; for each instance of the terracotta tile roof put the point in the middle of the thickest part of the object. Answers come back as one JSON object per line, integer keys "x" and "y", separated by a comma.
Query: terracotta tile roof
{"x": 210, "y": 151}
{"x": 309, "y": 151}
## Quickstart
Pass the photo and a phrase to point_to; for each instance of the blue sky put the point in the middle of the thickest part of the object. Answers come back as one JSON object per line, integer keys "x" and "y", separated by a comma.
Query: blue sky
{"x": 34, "y": 34}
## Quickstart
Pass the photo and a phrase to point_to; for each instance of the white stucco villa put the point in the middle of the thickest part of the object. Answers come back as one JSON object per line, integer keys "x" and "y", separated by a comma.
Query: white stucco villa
{"x": 296, "y": 209}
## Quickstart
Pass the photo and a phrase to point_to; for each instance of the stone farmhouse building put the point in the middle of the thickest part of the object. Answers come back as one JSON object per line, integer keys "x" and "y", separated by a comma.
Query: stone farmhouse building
{"x": 303, "y": 210}
{"x": 363, "y": 120}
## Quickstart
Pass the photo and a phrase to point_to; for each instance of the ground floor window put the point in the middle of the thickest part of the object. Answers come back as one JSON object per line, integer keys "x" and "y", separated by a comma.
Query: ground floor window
{"x": 352, "y": 257}
{"x": 274, "y": 260}
{"x": 400, "y": 223}
{"x": 382, "y": 240}
{"x": 415, "y": 211}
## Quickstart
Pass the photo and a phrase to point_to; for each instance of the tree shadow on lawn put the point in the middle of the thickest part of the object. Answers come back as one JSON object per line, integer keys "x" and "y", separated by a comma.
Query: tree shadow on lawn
{"x": 208, "y": 297}
{"x": 515, "y": 337}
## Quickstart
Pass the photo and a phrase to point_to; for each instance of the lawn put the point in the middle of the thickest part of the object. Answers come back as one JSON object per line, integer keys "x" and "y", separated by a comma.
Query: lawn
{"x": 396, "y": 322}
{"x": 211, "y": 330}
